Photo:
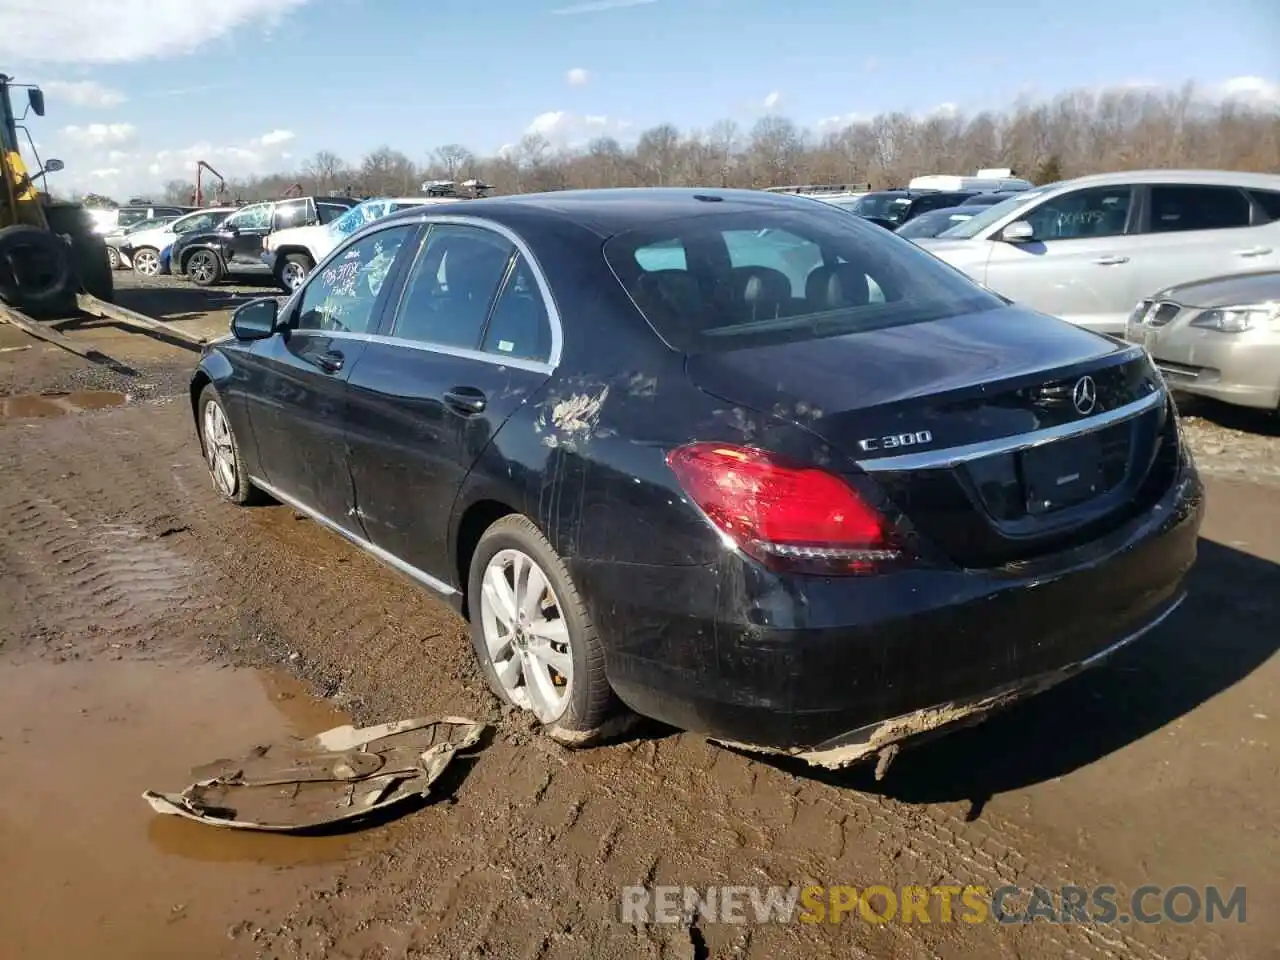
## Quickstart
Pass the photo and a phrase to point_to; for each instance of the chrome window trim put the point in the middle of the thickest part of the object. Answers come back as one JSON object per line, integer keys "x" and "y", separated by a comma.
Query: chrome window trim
{"x": 390, "y": 559}
{"x": 954, "y": 456}
{"x": 547, "y": 366}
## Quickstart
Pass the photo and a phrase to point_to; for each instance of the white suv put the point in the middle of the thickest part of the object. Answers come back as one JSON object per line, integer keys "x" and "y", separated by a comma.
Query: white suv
{"x": 291, "y": 254}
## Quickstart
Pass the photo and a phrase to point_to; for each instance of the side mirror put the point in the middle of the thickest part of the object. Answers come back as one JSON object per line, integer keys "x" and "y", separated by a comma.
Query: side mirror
{"x": 35, "y": 97}
{"x": 53, "y": 166}
{"x": 256, "y": 320}
{"x": 1018, "y": 232}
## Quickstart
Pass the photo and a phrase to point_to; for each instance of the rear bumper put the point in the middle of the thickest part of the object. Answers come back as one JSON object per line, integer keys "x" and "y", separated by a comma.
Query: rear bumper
{"x": 835, "y": 669}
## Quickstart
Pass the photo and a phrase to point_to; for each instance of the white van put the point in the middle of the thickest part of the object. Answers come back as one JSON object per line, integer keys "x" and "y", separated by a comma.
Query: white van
{"x": 976, "y": 184}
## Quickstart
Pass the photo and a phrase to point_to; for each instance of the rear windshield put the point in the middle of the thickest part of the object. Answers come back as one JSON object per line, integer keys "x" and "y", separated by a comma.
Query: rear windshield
{"x": 720, "y": 282}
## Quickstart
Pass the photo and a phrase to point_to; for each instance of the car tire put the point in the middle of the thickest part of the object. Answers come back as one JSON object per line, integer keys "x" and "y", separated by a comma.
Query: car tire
{"x": 113, "y": 257}
{"x": 203, "y": 268}
{"x": 221, "y": 449}
{"x": 581, "y": 714}
{"x": 146, "y": 261}
{"x": 294, "y": 267}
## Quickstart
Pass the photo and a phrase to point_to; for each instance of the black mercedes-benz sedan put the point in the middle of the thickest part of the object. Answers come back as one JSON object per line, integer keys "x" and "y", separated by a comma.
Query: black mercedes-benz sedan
{"x": 733, "y": 460}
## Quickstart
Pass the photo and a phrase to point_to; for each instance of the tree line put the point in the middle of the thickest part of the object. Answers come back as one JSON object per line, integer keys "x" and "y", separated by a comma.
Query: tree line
{"x": 1073, "y": 134}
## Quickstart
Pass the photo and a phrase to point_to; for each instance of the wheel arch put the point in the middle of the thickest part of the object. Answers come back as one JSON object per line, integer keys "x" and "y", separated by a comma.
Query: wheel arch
{"x": 478, "y": 517}
{"x": 188, "y": 252}
{"x": 212, "y": 369}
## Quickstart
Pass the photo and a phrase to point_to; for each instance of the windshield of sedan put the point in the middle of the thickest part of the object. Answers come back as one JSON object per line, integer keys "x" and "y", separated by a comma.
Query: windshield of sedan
{"x": 992, "y": 214}
{"x": 887, "y": 206}
{"x": 720, "y": 282}
{"x": 933, "y": 222}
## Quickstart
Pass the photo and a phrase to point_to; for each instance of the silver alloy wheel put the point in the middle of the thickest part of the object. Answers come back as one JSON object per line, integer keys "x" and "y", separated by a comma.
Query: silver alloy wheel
{"x": 113, "y": 257}
{"x": 292, "y": 274}
{"x": 200, "y": 267}
{"x": 526, "y": 635}
{"x": 146, "y": 262}
{"x": 219, "y": 449}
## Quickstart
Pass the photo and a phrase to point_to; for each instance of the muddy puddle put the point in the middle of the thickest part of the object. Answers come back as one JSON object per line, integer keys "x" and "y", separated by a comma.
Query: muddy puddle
{"x": 58, "y": 404}
{"x": 92, "y": 871}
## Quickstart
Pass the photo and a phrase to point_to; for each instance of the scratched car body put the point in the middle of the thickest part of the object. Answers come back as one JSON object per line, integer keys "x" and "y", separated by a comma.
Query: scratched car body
{"x": 727, "y": 459}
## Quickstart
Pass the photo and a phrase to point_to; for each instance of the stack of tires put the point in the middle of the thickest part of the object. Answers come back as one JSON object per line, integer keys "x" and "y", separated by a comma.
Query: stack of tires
{"x": 42, "y": 271}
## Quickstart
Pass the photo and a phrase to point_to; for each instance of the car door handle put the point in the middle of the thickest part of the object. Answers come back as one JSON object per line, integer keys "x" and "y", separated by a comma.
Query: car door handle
{"x": 1253, "y": 252}
{"x": 330, "y": 362}
{"x": 1111, "y": 261}
{"x": 466, "y": 400}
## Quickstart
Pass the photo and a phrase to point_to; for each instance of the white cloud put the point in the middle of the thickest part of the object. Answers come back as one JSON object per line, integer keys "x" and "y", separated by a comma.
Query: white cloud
{"x": 1253, "y": 91}
{"x": 83, "y": 93}
{"x": 577, "y": 77}
{"x": 597, "y": 6}
{"x": 100, "y": 134}
{"x": 836, "y": 123}
{"x": 772, "y": 100}
{"x": 942, "y": 111}
{"x": 81, "y": 31}
{"x": 274, "y": 138}
{"x": 564, "y": 129}
{"x": 142, "y": 170}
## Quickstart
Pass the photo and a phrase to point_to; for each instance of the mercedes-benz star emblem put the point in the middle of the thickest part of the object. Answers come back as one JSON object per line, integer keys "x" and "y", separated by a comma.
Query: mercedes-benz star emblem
{"x": 1085, "y": 396}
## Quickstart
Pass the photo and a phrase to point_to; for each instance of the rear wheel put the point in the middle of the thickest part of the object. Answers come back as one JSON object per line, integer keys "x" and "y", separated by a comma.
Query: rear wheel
{"x": 533, "y": 636}
{"x": 146, "y": 261}
{"x": 203, "y": 268}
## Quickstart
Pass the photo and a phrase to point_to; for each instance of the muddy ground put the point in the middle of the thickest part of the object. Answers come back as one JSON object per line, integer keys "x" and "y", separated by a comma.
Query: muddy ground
{"x": 146, "y": 627}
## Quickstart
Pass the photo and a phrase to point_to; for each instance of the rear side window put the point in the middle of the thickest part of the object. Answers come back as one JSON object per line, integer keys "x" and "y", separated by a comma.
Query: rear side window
{"x": 1179, "y": 208}
{"x": 1269, "y": 201}
{"x": 717, "y": 282}
{"x": 452, "y": 285}
{"x": 519, "y": 326}
{"x": 328, "y": 212}
{"x": 128, "y": 218}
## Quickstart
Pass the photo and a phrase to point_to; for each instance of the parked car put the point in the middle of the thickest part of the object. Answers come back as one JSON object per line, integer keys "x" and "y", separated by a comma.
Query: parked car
{"x": 1088, "y": 249}
{"x": 902, "y": 206}
{"x": 1216, "y": 338}
{"x": 754, "y": 501}
{"x": 115, "y": 241}
{"x": 934, "y": 222}
{"x": 108, "y": 221}
{"x": 291, "y": 254}
{"x": 989, "y": 199}
{"x": 234, "y": 247}
{"x": 143, "y": 247}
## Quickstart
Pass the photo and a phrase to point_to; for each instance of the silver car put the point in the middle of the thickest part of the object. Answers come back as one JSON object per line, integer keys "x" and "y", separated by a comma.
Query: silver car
{"x": 1087, "y": 249}
{"x": 1216, "y": 338}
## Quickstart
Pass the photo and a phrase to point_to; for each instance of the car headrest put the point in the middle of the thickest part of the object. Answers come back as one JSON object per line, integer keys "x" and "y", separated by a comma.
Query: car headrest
{"x": 832, "y": 286}
{"x": 753, "y": 285}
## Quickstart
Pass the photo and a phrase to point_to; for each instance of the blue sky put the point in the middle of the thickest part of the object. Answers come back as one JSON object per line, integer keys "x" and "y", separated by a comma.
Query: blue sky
{"x": 261, "y": 84}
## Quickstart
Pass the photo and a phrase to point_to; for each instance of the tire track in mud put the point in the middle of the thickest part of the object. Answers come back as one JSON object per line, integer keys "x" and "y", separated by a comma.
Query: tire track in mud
{"x": 125, "y": 533}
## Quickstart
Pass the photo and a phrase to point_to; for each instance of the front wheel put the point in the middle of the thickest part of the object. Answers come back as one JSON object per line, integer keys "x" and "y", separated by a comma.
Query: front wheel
{"x": 113, "y": 258}
{"x": 533, "y": 636}
{"x": 203, "y": 268}
{"x": 222, "y": 451}
{"x": 294, "y": 270}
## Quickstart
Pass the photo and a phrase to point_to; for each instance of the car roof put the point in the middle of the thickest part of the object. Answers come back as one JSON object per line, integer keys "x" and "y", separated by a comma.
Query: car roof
{"x": 1226, "y": 178}
{"x": 612, "y": 210}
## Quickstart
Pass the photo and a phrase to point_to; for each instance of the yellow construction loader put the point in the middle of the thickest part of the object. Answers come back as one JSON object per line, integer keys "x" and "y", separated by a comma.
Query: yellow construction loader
{"x": 49, "y": 251}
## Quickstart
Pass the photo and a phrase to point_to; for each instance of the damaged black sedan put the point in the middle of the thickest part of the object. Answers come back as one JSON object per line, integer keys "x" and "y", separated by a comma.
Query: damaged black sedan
{"x": 729, "y": 459}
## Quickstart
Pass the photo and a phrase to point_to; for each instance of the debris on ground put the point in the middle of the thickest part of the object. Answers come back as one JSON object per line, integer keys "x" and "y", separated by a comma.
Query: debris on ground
{"x": 334, "y": 777}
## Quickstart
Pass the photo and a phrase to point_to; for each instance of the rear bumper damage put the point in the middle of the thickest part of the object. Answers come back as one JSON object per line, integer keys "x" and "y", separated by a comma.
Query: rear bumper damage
{"x": 879, "y": 738}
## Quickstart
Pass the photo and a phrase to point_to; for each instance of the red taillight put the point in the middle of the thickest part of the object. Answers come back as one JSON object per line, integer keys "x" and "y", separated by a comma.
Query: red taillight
{"x": 784, "y": 514}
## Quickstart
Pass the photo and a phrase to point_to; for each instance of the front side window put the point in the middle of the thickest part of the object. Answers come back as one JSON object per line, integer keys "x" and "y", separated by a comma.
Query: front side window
{"x": 128, "y": 218}
{"x": 451, "y": 286}
{"x": 1175, "y": 209}
{"x": 289, "y": 213}
{"x": 345, "y": 294}
{"x": 256, "y": 217}
{"x": 196, "y": 221}
{"x": 782, "y": 276}
{"x": 1082, "y": 214}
